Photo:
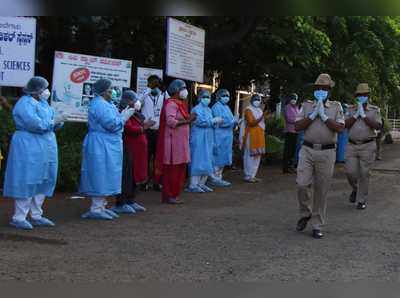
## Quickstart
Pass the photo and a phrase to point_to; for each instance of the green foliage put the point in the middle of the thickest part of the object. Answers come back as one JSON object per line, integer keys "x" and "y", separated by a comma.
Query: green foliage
{"x": 70, "y": 140}
{"x": 291, "y": 50}
{"x": 274, "y": 134}
{"x": 6, "y": 129}
{"x": 274, "y": 126}
{"x": 274, "y": 145}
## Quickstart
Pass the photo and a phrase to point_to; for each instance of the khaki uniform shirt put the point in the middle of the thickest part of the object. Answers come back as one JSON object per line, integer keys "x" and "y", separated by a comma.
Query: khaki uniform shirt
{"x": 318, "y": 132}
{"x": 360, "y": 131}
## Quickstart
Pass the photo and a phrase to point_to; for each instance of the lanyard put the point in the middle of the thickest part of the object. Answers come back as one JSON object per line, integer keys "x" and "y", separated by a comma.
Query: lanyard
{"x": 156, "y": 109}
{"x": 155, "y": 100}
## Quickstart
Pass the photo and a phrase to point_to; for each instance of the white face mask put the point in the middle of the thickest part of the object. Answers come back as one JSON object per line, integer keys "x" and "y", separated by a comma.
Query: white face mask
{"x": 183, "y": 94}
{"x": 256, "y": 103}
{"x": 45, "y": 94}
{"x": 293, "y": 102}
{"x": 137, "y": 105}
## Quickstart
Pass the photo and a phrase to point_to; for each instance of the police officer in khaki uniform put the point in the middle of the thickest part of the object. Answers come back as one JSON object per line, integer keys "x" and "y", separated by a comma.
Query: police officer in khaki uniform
{"x": 321, "y": 120}
{"x": 362, "y": 121}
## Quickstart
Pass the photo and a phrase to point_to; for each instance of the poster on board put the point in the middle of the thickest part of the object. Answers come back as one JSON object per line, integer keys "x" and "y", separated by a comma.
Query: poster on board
{"x": 142, "y": 74}
{"x": 185, "y": 51}
{"x": 17, "y": 50}
{"x": 73, "y": 78}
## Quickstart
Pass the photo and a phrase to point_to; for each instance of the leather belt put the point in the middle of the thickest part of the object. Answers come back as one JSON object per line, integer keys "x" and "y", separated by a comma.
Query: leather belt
{"x": 319, "y": 146}
{"x": 361, "y": 142}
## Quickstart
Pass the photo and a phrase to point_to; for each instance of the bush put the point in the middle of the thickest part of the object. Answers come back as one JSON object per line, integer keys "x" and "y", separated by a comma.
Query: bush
{"x": 275, "y": 126}
{"x": 70, "y": 140}
{"x": 274, "y": 133}
{"x": 7, "y": 128}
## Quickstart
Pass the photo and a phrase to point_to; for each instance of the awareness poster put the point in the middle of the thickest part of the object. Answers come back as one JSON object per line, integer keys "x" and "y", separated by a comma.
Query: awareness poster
{"x": 73, "y": 78}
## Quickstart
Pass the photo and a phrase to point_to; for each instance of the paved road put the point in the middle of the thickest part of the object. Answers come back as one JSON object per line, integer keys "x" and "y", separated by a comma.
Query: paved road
{"x": 243, "y": 233}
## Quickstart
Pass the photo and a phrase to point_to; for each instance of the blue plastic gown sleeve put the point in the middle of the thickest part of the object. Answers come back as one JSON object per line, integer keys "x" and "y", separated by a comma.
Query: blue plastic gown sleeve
{"x": 32, "y": 122}
{"x": 110, "y": 119}
{"x": 202, "y": 120}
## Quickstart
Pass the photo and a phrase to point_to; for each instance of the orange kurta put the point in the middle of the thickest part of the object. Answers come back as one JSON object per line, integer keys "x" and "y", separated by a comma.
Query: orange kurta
{"x": 255, "y": 133}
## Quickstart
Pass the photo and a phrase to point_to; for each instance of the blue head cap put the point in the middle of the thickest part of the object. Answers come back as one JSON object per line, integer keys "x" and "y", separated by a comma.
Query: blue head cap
{"x": 221, "y": 93}
{"x": 203, "y": 93}
{"x": 127, "y": 97}
{"x": 176, "y": 86}
{"x": 101, "y": 86}
{"x": 36, "y": 85}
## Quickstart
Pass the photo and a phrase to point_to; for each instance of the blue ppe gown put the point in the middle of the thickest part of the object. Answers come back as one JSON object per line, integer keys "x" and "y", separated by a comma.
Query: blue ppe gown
{"x": 201, "y": 142}
{"x": 32, "y": 162}
{"x": 223, "y": 135}
{"x": 101, "y": 169}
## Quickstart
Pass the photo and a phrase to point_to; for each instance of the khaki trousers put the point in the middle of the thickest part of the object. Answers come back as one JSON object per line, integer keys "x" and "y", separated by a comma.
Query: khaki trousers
{"x": 314, "y": 176}
{"x": 359, "y": 160}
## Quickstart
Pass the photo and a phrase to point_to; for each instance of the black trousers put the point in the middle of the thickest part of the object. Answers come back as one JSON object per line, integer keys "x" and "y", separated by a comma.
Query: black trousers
{"x": 152, "y": 136}
{"x": 289, "y": 150}
{"x": 128, "y": 185}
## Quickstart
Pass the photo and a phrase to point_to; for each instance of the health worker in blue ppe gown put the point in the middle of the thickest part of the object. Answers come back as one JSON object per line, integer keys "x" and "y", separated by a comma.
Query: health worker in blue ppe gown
{"x": 223, "y": 137}
{"x": 32, "y": 164}
{"x": 202, "y": 144}
{"x": 101, "y": 171}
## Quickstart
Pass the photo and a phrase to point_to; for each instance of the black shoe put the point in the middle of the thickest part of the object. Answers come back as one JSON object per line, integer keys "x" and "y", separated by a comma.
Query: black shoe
{"x": 302, "y": 223}
{"x": 144, "y": 187}
{"x": 157, "y": 187}
{"x": 317, "y": 234}
{"x": 353, "y": 196}
{"x": 361, "y": 206}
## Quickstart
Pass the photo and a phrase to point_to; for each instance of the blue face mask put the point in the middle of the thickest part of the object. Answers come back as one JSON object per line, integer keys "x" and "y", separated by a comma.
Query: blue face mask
{"x": 362, "y": 99}
{"x": 320, "y": 95}
{"x": 225, "y": 99}
{"x": 205, "y": 101}
{"x": 156, "y": 91}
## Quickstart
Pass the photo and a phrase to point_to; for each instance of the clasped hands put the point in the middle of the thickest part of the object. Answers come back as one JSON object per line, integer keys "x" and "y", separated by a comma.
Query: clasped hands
{"x": 360, "y": 112}
{"x": 318, "y": 111}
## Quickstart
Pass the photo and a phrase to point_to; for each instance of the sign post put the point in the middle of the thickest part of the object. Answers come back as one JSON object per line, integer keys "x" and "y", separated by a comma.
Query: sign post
{"x": 185, "y": 51}
{"x": 17, "y": 50}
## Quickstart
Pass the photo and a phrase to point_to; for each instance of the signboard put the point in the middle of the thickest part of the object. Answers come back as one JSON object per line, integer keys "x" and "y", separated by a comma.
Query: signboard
{"x": 17, "y": 50}
{"x": 185, "y": 51}
{"x": 74, "y": 75}
{"x": 142, "y": 74}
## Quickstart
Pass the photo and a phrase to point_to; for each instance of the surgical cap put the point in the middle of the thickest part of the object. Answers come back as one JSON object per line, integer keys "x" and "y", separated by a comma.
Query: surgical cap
{"x": 127, "y": 96}
{"x": 255, "y": 97}
{"x": 203, "y": 93}
{"x": 176, "y": 86}
{"x": 220, "y": 93}
{"x": 36, "y": 85}
{"x": 101, "y": 86}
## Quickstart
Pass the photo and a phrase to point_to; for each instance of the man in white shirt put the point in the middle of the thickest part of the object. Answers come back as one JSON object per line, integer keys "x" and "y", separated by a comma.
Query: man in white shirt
{"x": 153, "y": 101}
